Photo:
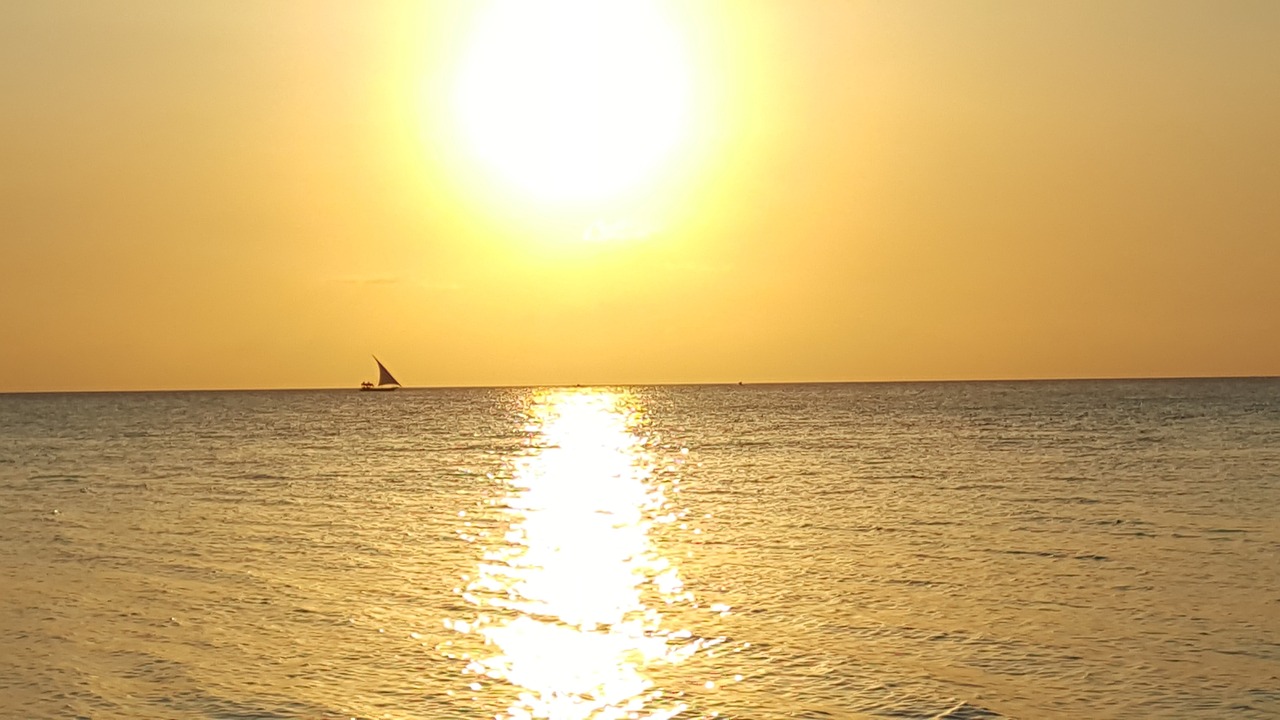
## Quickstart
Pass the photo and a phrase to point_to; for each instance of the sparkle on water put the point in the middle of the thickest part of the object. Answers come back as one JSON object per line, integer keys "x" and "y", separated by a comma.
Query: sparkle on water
{"x": 568, "y": 595}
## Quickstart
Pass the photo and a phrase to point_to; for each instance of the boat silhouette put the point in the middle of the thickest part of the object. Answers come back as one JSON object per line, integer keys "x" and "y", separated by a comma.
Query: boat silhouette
{"x": 386, "y": 381}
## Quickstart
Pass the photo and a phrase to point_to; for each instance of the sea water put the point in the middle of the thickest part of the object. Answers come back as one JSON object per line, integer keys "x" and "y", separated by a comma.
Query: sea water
{"x": 955, "y": 550}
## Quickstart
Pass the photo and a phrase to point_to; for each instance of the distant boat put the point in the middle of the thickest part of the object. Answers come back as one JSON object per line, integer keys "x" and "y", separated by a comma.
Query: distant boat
{"x": 386, "y": 381}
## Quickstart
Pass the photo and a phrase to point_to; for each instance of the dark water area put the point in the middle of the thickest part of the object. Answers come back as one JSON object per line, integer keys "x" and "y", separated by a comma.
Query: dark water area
{"x": 1103, "y": 549}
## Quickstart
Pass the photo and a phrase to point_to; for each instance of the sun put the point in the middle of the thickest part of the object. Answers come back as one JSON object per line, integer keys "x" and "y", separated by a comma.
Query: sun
{"x": 574, "y": 100}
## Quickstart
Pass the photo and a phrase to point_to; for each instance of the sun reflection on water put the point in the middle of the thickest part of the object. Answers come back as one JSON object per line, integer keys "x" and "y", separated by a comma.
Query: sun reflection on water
{"x": 569, "y": 600}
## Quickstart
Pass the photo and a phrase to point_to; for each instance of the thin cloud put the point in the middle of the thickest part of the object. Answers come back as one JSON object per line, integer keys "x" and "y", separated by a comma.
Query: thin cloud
{"x": 614, "y": 230}
{"x": 367, "y": 280}
{"x": 389, "y": 280}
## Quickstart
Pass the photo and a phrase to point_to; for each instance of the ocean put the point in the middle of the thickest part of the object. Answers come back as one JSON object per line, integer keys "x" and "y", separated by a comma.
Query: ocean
{"x": 1100, "y": 549}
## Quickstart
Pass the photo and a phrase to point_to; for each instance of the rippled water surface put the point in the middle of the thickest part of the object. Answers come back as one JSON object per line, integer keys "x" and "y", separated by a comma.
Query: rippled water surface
{"x": 955, "y": 550}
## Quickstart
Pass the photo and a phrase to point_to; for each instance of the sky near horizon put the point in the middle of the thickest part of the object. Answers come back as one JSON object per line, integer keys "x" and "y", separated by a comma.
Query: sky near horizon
{"x": 254, "y": 195}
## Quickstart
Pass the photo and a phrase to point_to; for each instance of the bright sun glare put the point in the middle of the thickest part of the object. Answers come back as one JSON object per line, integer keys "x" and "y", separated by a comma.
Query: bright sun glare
{"x": 574, "y": 100}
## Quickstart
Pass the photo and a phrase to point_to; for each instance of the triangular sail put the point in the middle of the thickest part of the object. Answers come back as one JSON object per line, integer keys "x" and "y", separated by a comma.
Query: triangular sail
{"x": 384, "y": 377}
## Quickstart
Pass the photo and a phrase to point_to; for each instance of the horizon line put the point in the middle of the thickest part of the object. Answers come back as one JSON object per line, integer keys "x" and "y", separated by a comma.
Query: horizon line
{"x": 725, "y": 383}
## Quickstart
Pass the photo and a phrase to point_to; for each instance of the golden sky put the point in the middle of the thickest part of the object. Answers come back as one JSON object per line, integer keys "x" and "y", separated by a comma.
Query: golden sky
{"x": 209, "y": 194}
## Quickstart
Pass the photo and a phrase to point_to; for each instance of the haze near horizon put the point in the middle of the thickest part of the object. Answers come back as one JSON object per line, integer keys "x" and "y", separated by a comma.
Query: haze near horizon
{"x": 213, "y": 195}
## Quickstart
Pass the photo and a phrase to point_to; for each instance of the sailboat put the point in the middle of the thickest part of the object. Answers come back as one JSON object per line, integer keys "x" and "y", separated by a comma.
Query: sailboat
{"x": 386, "y": 381}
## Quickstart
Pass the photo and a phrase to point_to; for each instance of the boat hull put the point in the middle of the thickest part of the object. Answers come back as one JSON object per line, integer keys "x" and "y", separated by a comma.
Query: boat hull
{"x": 378, "y": 389}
